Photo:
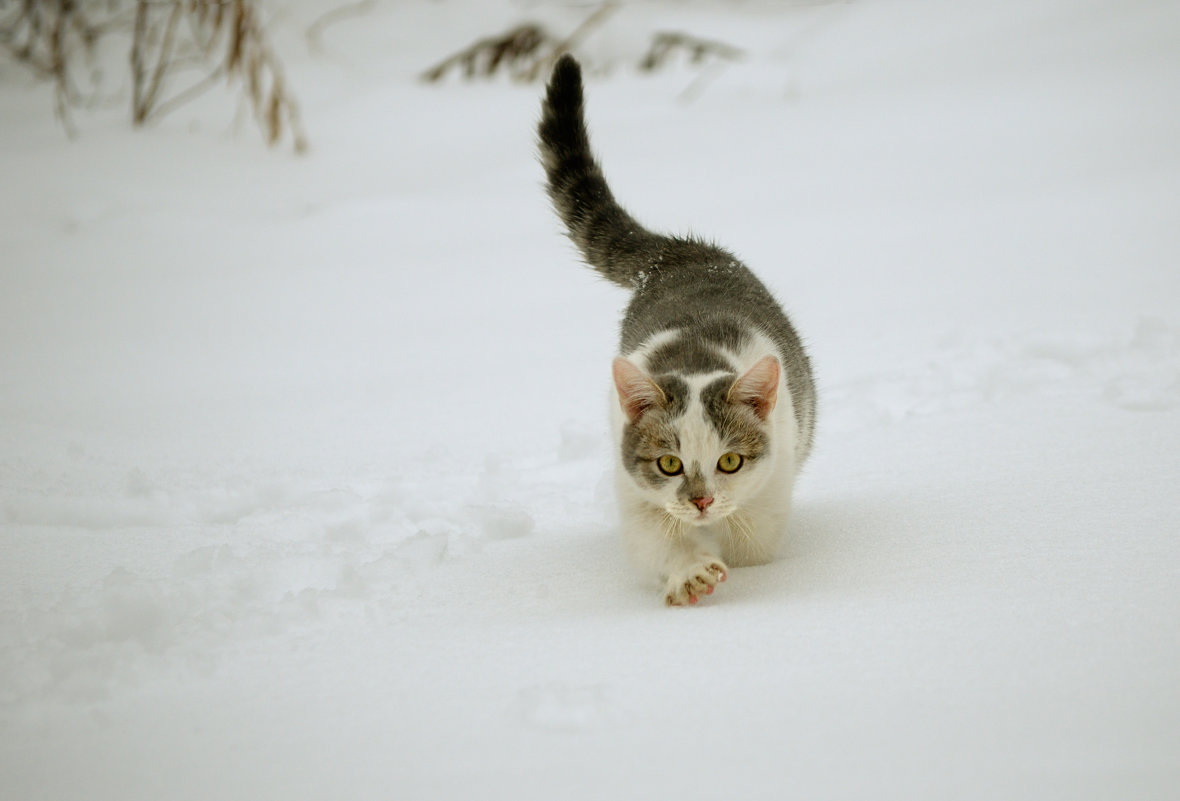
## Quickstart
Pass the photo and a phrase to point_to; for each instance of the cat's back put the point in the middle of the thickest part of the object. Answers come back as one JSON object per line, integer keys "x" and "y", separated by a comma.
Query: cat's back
{"x": 702, "y": 291}
{"x": 697, "y": 309}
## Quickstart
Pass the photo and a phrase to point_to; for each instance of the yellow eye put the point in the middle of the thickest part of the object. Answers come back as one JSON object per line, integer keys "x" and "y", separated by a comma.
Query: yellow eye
{"x": 729, "y": 463}
{"x": 669, "y": 465}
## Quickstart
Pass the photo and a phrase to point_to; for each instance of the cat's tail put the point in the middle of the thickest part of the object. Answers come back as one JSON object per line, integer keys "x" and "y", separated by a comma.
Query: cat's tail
{"x": 608, "y": 237}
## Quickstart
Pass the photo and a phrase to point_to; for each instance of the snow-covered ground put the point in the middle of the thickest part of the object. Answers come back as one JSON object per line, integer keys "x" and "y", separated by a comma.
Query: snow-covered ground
{"x": 304, "y": 488}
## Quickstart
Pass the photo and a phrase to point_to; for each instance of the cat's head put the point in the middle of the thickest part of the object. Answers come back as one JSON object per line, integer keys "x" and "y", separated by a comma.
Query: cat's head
{"x": 697, "y": 446}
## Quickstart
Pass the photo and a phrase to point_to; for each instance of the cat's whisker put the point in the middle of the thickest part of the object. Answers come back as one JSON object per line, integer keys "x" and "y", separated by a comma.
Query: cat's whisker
{"x": 743, "y": 541}
{"x": 740, "y": 526}
{"x": 670, "y": 527}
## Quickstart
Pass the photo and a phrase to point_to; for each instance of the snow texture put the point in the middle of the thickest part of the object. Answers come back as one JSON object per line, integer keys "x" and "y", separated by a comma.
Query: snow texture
{"x": 304, "y": 481}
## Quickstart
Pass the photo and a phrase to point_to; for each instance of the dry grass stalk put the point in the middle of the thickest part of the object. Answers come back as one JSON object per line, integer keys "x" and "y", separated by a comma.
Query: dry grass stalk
{"x": 45, "y": 35}
{"x": 166, "y": 36}
{"x": 525, "y": 52}
{"x": 227, "y": 33}
{"x": 515, "y": 50}
{"x": 315, "y": 31}
{"x": 665, "y": 44}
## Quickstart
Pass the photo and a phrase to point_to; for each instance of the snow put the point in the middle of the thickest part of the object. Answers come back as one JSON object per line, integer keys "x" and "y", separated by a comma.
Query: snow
{"x": 304, "y": 482}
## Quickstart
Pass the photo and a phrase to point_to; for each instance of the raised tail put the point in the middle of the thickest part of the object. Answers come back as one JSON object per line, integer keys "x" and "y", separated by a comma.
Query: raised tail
{"x": 609, "y": 238}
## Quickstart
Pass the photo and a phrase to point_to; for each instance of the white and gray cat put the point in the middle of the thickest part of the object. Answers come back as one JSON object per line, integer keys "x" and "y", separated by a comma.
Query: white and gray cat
{"x": 716, "y": 401}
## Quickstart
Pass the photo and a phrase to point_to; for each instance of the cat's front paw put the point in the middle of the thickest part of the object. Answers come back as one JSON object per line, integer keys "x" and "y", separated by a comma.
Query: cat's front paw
{"x": 688, "y": 586}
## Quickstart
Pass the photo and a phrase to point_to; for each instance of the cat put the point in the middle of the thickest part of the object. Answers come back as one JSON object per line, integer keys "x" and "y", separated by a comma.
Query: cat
{"x": 715, "y": 397}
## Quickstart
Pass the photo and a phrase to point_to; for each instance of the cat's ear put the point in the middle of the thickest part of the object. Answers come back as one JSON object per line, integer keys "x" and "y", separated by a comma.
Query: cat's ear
{"x": 637, "y": 392}
{"x": 758, "y": 388}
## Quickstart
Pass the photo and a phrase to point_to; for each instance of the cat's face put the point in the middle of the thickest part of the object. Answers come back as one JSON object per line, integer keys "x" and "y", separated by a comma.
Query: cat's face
{"x": 697, "y": 446}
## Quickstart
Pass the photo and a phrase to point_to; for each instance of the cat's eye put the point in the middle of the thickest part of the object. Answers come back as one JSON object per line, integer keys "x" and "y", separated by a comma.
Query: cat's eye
{"x": 729, "y": 463}
{"x": 670, "y": 465}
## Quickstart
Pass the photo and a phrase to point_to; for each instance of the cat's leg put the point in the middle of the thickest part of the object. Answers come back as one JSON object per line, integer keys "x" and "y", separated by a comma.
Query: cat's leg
{"x": 685, "y": 558}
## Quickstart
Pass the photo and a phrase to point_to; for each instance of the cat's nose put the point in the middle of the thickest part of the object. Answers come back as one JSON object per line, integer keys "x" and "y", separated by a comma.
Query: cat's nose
{"x": 702, "y": 503}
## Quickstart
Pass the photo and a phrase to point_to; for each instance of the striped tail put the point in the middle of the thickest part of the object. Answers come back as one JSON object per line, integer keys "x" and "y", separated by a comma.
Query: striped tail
{"x": 608, "y": 237}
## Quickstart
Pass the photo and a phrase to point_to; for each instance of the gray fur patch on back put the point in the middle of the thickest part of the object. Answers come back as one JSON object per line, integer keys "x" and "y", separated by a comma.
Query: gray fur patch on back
{"x": 686, "y": 355}
{"x": 701, "y": 347}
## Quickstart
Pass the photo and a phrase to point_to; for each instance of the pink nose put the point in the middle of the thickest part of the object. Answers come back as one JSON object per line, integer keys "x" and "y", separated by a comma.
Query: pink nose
{"x": 702, "y": 503}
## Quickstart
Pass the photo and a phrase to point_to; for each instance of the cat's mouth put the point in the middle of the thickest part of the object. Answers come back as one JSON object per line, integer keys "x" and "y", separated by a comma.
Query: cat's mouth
{"x": 689, "y": 513}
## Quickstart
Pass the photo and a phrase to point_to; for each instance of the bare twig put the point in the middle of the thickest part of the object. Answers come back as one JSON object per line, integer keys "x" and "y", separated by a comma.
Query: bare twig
{"x": 543, "y": 66}
{"x": 528, "y": 52}
{"x": 226, "y": 37}
{"x": 664, "y": 44}
{"x": 163, "y": 107}
{"x": 525, "y": 52}
{"x": 144, "y": 89}
{"x": 510, "y": 49}
{"x": 315, "y": 31}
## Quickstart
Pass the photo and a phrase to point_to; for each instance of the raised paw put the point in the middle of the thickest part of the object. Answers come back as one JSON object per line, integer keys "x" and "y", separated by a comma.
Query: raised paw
{"x": 689, "y": 586}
